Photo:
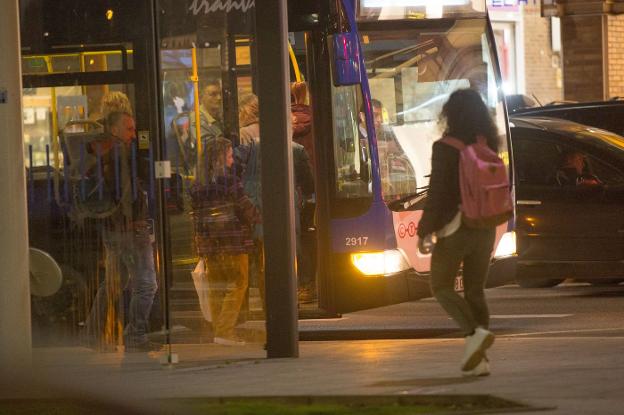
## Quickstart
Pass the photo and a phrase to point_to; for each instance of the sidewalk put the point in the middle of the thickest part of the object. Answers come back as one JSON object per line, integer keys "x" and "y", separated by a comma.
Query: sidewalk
{"x": 575, "y": 375}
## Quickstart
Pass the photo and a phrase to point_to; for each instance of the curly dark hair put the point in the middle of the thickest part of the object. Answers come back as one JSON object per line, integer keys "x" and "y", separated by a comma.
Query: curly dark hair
{"x": 466, "y": 116}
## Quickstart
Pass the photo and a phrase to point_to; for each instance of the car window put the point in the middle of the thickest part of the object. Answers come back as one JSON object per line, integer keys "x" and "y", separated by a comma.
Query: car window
{"x": 542, "y": 163}
{"x": 536, "y": 161}
{"x": 607, "y": 174}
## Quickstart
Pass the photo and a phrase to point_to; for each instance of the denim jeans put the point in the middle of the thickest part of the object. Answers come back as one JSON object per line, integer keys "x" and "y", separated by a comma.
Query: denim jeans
{"x": 129, "y": 266}
{"x": 473, "y": 248}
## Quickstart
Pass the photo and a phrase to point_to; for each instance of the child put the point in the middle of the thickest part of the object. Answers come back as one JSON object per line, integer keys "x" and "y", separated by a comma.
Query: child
{"x": 224, "y": 218}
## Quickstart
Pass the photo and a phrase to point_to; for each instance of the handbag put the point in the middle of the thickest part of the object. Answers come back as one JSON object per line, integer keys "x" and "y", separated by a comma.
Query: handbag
{"x": 201, "y": 287}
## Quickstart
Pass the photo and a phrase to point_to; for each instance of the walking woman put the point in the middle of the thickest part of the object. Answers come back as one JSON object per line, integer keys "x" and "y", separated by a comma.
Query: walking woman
{"x": 466, "y": 120}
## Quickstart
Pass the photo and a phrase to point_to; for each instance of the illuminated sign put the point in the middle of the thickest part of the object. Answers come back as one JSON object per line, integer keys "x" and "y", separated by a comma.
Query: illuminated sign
{"x": 413, "y": 3}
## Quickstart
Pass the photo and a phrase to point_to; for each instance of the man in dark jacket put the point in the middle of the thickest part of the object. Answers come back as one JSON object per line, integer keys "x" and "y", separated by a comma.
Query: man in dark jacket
{"x": 210, "y": 118}
{"x": 127, "y": 234}
{"x": 249, "y": 156}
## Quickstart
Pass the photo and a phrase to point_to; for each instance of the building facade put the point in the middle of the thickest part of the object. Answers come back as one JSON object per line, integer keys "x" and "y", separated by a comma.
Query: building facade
{"x": 529, "y": 49}
{"x": 560, "y": 50}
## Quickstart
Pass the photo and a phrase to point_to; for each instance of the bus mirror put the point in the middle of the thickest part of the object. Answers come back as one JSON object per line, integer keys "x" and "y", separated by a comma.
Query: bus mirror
{"x": 346, "y": 59}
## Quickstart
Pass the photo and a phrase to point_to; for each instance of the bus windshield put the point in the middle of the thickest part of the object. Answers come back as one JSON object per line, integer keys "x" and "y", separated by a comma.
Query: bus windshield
{"x": 412, "y": 71}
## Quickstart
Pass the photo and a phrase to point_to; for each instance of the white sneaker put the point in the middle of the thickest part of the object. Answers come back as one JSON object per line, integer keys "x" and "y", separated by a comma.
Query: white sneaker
{"x": 228, "y": 342}
{"x": 476, "y": 345}
{"x": 482, "y": 369}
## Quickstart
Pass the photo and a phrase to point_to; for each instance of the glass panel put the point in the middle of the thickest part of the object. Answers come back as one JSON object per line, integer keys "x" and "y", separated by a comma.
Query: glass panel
{"x": 66, "y": 63}
{"x": 91, "y": 200}
{"x": 536, "y": 162}
{"x": 35, "y": 65}
{"x": 47, "y": 112}
{"x": 351, "y": 152}
{"x": 604, "y": 172}
{"x": 212, "y": 140}
{"x": 411, "y": 74}
{"x": 545, "y": 163}
{"x": 87, "y": 61}
{"x": 504, "y": 34}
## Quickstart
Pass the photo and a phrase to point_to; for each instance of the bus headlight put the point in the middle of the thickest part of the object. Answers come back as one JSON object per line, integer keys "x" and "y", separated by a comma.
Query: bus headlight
{"x": 380, "y": 262}
{"x": 506, "y": 246}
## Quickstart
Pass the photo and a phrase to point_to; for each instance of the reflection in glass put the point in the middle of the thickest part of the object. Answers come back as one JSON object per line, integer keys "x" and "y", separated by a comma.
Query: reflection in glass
{"x": 412, "y": 73}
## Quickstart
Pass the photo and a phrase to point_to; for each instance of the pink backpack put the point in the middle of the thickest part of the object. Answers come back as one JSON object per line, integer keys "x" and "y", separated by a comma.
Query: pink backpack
{"x": 484, "y": 185}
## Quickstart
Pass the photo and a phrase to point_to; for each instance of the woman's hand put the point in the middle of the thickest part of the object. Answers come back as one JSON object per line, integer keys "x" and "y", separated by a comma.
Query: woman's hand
{"x": 426, "y": 244}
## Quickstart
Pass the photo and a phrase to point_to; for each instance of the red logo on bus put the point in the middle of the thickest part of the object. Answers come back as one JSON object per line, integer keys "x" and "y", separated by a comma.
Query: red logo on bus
{"x": 402, "y": 231}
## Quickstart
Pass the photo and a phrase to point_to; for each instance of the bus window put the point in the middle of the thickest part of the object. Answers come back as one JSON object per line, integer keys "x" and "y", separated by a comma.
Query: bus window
{"x": 49, "y": 111}
{"x": 411, "y": 74}
{"x": 84, "y": 61}
{"x": 351, "y": 152}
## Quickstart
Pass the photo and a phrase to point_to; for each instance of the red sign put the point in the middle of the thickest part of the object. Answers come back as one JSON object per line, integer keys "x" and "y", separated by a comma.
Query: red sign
{"x": 410, "y": 230}
{"x": 402, "y": 231}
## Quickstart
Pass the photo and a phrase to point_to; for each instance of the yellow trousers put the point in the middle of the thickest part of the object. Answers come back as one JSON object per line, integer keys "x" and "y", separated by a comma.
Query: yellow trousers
{"x": 228, "y": 277}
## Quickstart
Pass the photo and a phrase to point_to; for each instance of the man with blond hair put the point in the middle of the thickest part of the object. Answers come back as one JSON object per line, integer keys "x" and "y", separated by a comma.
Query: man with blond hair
{"x": 114, "y": 101}
{"x": 127, "y": 235}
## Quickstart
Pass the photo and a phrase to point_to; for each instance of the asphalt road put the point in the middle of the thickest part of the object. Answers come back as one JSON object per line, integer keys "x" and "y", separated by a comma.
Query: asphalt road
{"x": 556, "y": 348}
{"x": 570, "y": 309}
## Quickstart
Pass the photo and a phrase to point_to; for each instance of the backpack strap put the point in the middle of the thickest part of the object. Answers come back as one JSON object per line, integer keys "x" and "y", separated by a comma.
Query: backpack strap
{"x": 453, "y": 142}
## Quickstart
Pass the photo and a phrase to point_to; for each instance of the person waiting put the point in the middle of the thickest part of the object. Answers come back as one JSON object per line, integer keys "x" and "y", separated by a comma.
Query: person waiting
{"x": 224, "y": 218}
{"x": 127, "y": 237}
{"x": 249, "y": 156}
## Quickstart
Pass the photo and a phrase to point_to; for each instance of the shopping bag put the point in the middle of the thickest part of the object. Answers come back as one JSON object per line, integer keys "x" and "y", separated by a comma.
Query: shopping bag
{"x": 201, "y": 286}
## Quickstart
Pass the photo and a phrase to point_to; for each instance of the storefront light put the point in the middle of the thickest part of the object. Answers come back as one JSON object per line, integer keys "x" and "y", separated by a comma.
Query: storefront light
{"x": 506, "y": 246}
{"x": 380, "y": 262}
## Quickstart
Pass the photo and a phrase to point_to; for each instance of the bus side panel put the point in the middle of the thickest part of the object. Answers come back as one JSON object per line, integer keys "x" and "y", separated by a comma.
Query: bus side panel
{"x": 373, "y": 231}
{"x": 405, "y": 227}
{"x": 369, "y": 232}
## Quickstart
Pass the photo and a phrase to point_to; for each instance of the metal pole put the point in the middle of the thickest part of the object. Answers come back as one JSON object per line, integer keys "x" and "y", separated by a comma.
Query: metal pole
{"x": 277, "y": 179}
{"x": 195, "y": 79}
{"x": 15, "y": 326}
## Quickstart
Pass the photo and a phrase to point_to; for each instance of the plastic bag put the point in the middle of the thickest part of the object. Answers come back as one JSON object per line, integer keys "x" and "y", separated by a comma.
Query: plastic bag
{"x": 201, "y": 287}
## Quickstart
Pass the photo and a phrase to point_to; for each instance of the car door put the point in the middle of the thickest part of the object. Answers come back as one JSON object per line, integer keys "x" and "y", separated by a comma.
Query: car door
{"x": 567, "y": 230}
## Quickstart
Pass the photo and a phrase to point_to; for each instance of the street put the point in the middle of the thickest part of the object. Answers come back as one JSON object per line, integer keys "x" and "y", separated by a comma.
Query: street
{"x": 558, "y": 349}
{"x": 570, "y": 309}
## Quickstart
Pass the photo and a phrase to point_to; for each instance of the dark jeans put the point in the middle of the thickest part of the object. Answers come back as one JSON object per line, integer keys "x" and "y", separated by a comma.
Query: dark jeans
{"x": 129, "y": 264}
{"x": 472, "y": 247}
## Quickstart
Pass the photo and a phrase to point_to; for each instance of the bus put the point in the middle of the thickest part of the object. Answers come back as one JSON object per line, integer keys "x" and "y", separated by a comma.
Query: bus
{"x": 376, "y": 78}
{"x": 416, "y": 53}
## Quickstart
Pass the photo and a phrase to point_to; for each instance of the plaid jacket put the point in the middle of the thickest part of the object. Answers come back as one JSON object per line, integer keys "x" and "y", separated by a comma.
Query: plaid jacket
{"x": 223, "y": 216}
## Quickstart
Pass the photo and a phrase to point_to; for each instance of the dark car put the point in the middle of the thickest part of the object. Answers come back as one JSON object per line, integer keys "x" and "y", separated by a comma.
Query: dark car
{"x": 570, "y": 202}
{"x": 608, "y": 115}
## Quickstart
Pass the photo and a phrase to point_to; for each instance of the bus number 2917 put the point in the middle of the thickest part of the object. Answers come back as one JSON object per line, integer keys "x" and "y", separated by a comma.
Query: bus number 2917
{"x": 356, "y": 241}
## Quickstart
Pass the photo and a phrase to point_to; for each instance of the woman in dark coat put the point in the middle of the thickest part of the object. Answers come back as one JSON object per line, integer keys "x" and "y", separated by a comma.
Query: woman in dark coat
{"x": 466, "y": 118}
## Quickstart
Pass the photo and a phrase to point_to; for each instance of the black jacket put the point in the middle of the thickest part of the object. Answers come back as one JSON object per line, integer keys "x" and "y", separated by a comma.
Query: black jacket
{"x": 443, "y": 197}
